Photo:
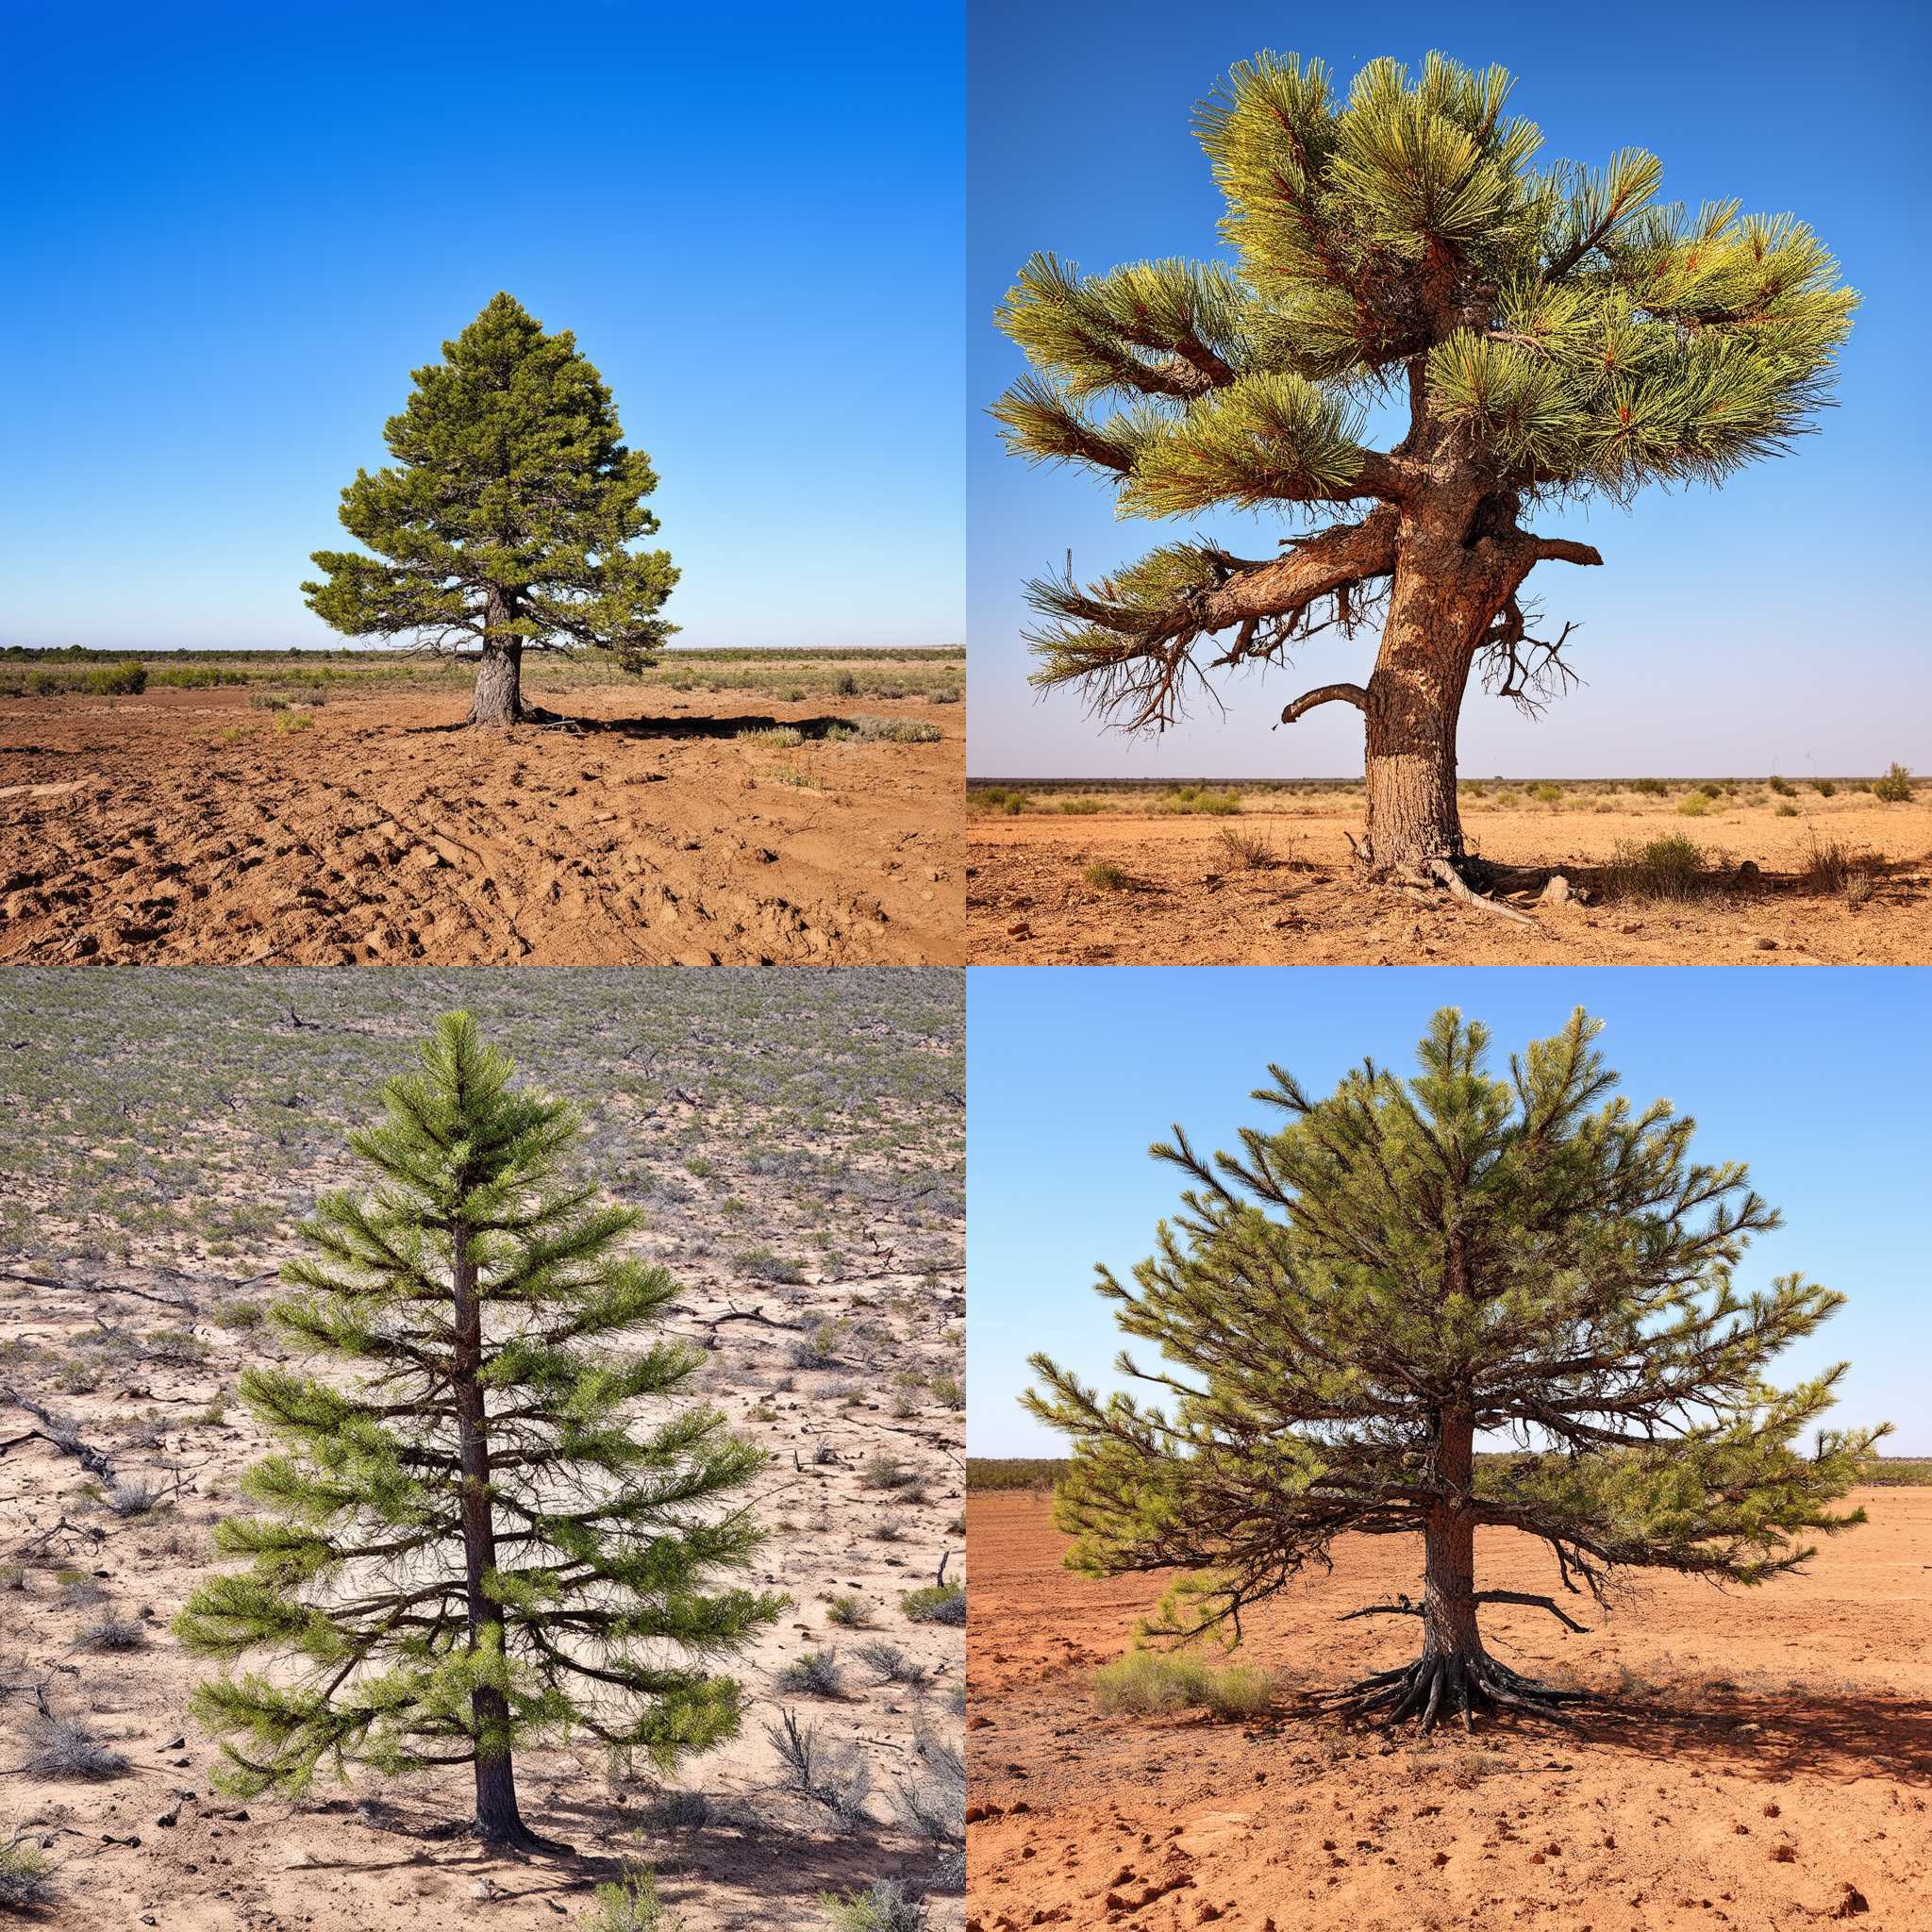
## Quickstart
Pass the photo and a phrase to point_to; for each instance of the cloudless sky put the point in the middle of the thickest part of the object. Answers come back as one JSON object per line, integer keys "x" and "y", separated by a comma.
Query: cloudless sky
{"x": 1776, "y": 625}
{"x": 232, "y": 231}
{"x": 1816, "y": 1079}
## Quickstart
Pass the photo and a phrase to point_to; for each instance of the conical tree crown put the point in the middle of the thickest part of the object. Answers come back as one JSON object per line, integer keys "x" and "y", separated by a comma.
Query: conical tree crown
{"x": 613, "y": 1509}
{"x": 511, "y": 505}
{"x": 1403, "y": 1260}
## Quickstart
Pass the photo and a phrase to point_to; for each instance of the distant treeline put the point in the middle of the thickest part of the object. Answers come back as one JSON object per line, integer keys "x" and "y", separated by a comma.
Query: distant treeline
{"x": 732, "y": 654}
{"x": 1044, "y": 1472}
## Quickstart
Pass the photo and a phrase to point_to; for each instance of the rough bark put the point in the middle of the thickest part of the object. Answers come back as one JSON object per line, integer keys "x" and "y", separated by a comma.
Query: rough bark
{"x": 1455, "y": 1675}
{"x": 498, "y": 1820}
{"x": 1441, "y": 601}
{"x": 498, "y": 699}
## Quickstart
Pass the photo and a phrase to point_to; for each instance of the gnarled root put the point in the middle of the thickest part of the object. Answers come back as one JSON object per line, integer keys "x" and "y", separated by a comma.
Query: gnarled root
{"x": 1446, "y": 1683}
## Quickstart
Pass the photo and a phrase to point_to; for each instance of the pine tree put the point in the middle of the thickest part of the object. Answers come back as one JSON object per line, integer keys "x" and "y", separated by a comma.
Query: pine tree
{"x": 1556, "y": 335}
{"x": 505, "y": 523}
{"x": 470, "y": 1538}
{"x": 1403, "y": 1266}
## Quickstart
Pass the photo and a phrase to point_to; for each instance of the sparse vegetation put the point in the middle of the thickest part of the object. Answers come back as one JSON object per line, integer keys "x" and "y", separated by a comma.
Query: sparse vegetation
{"x": 1106, "y": 878}
{"x": 937, "y": 1603}
{"x": 1144, "y": 1683}
{"x": 1895, "y": 787}
{"x": 1671, "y": 869}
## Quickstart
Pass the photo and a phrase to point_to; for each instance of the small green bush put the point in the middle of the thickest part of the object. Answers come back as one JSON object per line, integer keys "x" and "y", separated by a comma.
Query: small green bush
{"x": 1651, "y": 788}
{"x": 1823, "y": 787}
{"x": 1695, "y": 806}
{"x": 1784, "y": 788}
{"x": 772, "y": 737}
{"x": 937, "y": 1603}
{"x": 1547, "y": 794}
{"x": 1672, "y": 867}
{"x": 1895, "y": 787}
{"x": 25, "y": 1879}
{"x": 1106, "y": 878}
{"x": 126, "y": 679}
{"x": 1144, "y": 1683}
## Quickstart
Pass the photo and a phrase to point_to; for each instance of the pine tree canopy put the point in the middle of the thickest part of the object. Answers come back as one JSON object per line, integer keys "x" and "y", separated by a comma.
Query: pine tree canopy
{"x": 1403, "y": 1266}
{"x": 1557, "y": 333}
{"x": 509, "y": 512}
{"x": 487, "y": 1522}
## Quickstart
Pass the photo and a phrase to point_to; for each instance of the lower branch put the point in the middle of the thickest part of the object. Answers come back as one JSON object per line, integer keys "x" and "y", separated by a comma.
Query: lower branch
{"x": 1326, "y": 694}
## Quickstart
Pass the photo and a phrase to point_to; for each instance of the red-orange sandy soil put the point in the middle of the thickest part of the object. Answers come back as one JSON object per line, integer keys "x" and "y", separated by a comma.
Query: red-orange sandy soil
{"x": 1183, "y": 897}
{"x": 1763, "y": 1759}
{"x": 182, "y": 826}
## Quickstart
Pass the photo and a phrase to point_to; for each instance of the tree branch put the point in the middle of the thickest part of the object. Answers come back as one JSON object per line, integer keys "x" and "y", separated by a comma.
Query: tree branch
{"x": 1535, "y": 1603}
{"x": 1326, "y": 694}
{"x": 1561, "y": 550}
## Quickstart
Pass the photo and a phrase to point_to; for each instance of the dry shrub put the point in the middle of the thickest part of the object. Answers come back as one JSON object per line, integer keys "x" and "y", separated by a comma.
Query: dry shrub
{"x": 1145, "y": 1682}
{"x": 1672, "y": 869}
{"x": 1248, "y": 851}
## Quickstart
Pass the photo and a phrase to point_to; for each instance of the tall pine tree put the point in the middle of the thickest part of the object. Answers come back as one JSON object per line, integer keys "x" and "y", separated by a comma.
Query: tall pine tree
{"x": 506, "y": 522}
{"x": 1399, "y": 1268}
{"x": 470, "y": 1538}
{"x": 1554, "y": 334}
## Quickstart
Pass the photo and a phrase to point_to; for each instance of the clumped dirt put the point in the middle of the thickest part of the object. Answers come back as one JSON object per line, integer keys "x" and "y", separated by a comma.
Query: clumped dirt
{"x": 1185, "y": 898}
{"x": 183, "y": 826}
{"x": 1764, "y": 1763}
{"x": 798, "y": 1150}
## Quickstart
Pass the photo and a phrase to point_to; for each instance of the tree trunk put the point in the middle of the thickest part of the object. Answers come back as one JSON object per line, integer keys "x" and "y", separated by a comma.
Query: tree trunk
{"x": 498, "y": 1820}
{"x": 1414, "y": 699}
{"x": 1455, "y": 1675}
{"x": 498, "y": 698}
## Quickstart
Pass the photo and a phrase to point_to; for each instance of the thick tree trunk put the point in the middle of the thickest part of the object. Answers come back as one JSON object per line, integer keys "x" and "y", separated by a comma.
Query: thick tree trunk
{"x": 1455, "y": 1675}
{"x": 499, "y": 698}
{"x": 1414, "y": 699}
{"x": 498, "y": 1820}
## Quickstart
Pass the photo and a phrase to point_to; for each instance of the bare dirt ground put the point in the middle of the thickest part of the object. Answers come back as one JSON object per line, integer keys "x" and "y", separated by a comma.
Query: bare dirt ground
{"x": 796, "y": 1141}
{"x": 1766, "y": 1761}
{"x": 1185, "y": 898}
{"x": 184, "y": 827}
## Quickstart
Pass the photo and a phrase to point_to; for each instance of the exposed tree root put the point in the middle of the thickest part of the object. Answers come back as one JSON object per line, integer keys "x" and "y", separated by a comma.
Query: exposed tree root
{"x": 1460, "y": 878}
{"x": 1444, "y": 1684}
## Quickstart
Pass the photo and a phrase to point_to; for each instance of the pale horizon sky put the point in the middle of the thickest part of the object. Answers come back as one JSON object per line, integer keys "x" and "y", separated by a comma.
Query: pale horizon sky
{"x": 1774, "y": 624}
{"x": 1815, "y": 1079}
{"x": 233, "y": 231}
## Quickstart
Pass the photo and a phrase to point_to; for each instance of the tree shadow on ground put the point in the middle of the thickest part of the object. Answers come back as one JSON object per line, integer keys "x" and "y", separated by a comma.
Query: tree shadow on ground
{"x": 736, "y": 1853}
{"x": 1834, "y": 1734}
{"x": 1829, "y": 1733}
{"x": 691, "y": 725}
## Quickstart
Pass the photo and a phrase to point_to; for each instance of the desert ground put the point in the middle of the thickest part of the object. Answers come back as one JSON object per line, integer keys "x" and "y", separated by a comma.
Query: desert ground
{"x": 1764, "y": 1759}
{"x": 805, "y": 810}
{"x": 1217, "y": 874}
{"x": 796, "y": 1141}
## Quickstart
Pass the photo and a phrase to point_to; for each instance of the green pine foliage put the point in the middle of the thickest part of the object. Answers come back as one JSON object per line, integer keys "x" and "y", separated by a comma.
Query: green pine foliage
{"x": 1557, "y": 329}
{"x": 488, "y": 1523}
{"x": 510, "y": 513}
{"x": 1459, "y": 1253}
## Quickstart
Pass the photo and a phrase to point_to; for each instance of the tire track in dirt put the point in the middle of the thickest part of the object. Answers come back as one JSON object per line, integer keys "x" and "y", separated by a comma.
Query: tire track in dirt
{"x": 380, "y": 834}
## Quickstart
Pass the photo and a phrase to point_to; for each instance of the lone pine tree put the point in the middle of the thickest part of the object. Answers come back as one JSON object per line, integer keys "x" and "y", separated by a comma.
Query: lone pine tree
{"x": 1401, "y": 1266}
{"x": 471, "y": 1538}
{"x": 1555, "y": 336}
{"x": 507, "y": 520}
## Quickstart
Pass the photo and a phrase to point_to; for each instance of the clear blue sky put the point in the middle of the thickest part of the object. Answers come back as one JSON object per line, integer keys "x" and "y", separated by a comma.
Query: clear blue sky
{"x": 1817, "y": 1079}
{"x": 1776, "y": 625}
{"x": 233, "y": 230}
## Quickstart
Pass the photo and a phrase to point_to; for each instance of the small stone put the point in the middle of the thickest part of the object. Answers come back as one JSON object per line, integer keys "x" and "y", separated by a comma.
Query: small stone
{"x": 1767, "y": 945}
{"x": 169, "y": 1818}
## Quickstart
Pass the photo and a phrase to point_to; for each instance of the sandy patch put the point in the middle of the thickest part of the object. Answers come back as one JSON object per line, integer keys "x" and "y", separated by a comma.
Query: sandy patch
{"x": 1768, "y": 1763}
